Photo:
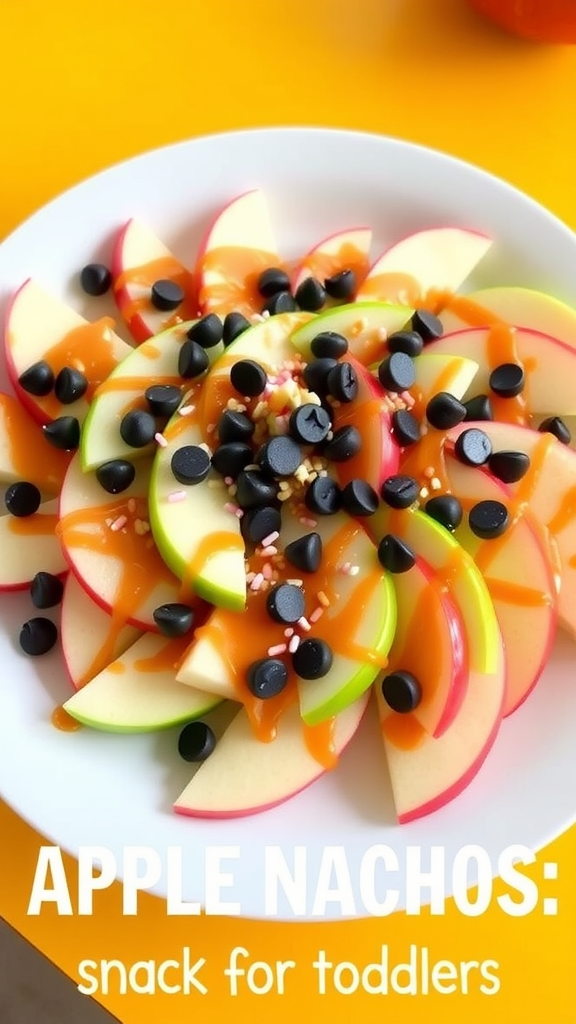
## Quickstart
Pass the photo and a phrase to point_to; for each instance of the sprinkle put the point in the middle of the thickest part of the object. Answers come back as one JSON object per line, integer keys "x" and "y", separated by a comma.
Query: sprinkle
{"x": 257, "y": 318}
{"x": 304, "y": 624}
{"x": 323, "y": 599}
{"x": 269, "y": 550}
{"x": 131, "y": 505}
{"x": 306, "y": 521}
{"x": 354, "y": 570}
{"x": 296, "y": 583}
{"x": 267, "y": 571}
{"x": 239, "y": 513}
{"x": 273, "y": 652}
{"x": 284, "y": 495}
{"x": 160, "y": 440}
{"x": 141, "y": 527}
{"x": 231, "y": 507}
{"x": 205, "y": 448}
{"x": 176, "y": 496}
{"x": 265, "y": 314}
{"x": 250, "y": 576}
{"x": 108, "y": 521}
{"x": 424, "y": 492}
{"x": 257, "y": 581}
{"x": 429, "y": 472}
{"x": 289, "y": 632}
{"x": 228, "y": 480}
{"x": 317, "y": 614}
{"x": 232, "y": 489}
{"x": 294, "y": 644}
{"x": 345, "y": 569}
{"x": 408, "y": 399}
{"x": 210, "y": 428}
{"x": 270, "y": 539}
{"x": 381, "y": 334}
{"x": 186, "y": 410}
{"x": 435, "y": 484}
{"x": 119, "y": 523}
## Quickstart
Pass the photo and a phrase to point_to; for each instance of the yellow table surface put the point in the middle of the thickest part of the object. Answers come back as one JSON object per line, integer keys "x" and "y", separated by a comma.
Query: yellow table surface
{"x": 84, "y": 85}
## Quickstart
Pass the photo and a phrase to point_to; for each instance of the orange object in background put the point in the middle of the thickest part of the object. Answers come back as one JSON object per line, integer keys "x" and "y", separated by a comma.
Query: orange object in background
{"x": 546, "y": 21}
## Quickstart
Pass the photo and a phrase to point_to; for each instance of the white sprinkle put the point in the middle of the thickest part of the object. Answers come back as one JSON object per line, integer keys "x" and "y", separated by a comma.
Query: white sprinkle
{"x": 354, "y": 570}
{"x": 250, "y": 576}
{"x": 289, "y": 632}
{"x": 186, "y": 410}
{"x": 119, "y": 523}
{"x": 273, "y": 652}
{"x": 304, "y": 624}
{"x": 317, "y": 614}
{"x": 205, "y": 447}
{"x": 269, "y": 550}
{"x": 161, "y": 440}
{"x": 296, "y": 583}
{"x": 176, "y": 496}
{"x": 265, "y": 314}
{"x": 270, "y": 539}
{"x": 424, "y": 492}
{"x": 131, "y": 505}
{"x": 257, "y": 581}
{"x": 435, "y": 484}
{"x": 294, "y": 644}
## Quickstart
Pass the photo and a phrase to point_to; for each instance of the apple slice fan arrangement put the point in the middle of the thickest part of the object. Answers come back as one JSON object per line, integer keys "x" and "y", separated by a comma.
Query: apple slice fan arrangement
{"x": 302, "y": 487}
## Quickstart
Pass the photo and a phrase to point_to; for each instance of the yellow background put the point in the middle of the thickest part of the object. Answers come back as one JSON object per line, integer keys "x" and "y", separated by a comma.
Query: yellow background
{"x": 86, "y": 84}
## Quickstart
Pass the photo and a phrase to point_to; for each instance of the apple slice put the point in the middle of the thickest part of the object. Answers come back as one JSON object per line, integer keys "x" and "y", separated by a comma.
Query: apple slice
{"x": 525, "y": 600}
{"x": 421, "y": 268}
{"x": 39, "y": 327}
{"x": 238, "y": 247}
{"x": 454, "y": 568}
{"x": 344, "y": 250}
{"x": 107, "y": 541}
{"x": 25, "y": 454}
{"x": 366, "y": 325}
{"x": 153, "y": 362}
{"x": 549, "y": 367}
{"x": 520, "y": 307}
{"x": 138, "y": 692}
{"x": 244, "y": 776}
{"x": 548, "y": 492}
{"x": 29, "y": 545}
{"x": 90, "y": 637}
{"x": 430, "y": 643}
{"x": 357, "y": 623}
{"x": 426, "y": 773}
{"x": 139, "y": 260}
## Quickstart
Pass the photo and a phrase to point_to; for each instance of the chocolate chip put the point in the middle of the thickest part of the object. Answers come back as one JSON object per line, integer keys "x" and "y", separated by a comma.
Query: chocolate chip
{"x": 507, "y": 380}
{"x": 196, "y": 742}
{"x": 46, "y": 590}
{"x": 280, "y": 456}
{"x": 401, "y": 691}
{"x": 248, "y": 378}
{"x": 70, "y": 385}
{"x": 345, "y": 444}
{"x": 310, "y": 295}
{"x": 312, "y": 659}
{"x": 405, "y": 428}
{"x": 115, "y": 476}
{"x": 258, "y": 523}
{"x": 408, "y": 342}
{"x": 207, "y": 332}
{"x": 309, "y": 423}
{"x": 488, "y": 519}
{"x": 359, "y": 498}
{"x": 556, "y": 426}
{"x": 341, "y": 285}
{"x": 234, "y": 426}
{"x": 315, "y": 375}
{"x": 473, "y": 447}
{"x": 137, "y": 428}
{"x": 273, "y": 280}
{"x": 285, "y": 603}
{"x": 305, "y": 553}
{"x": 190, "y": 464}
{"x": 282, "y": 302}
{"x": 329, "y": 344}
{"x": 396, "y": 373}
{"x": 400, "y": 491}
{"x": 267, "y": 678}
{"x": 323, "y": 496}
{"x": 173, "y": 619}
{"x": 342, "y": 382}
{"x": 22, "y": 499}
{"x": 192, "y": 360}
{"x": 395, "y": 555}
{"x": 230, "y": 459}
{"x": 95, "y": 279}
{"x": 163, "y": 399}
{"x": 254, "y": 489}
{"x": 446, "y": 510}
{"x": 426, "y": 325}
{"x": 479, "y": 408}
{"x": 38, "y": 379}
{"x": 509, "y": 466}
{"x": 234, "y": 325}
{"x": 63, "y": 433}
{"x": 444, "y": 411}
{"x": 38, "y": 636}
{"x": 166, "y": 295}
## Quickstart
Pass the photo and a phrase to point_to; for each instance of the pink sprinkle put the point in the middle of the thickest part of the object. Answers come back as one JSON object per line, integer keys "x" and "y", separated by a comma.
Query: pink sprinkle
{"x": 408, "y": 399}
{"x": 317, "y": 614}
{"x": 345, "y": 569}
{"x": 273, "y": 652}
{"x": 270, "y": 539}
{"x": 239, "y": 513}
{"x": 250, "y": 576}
{"x": 161, "y": 440}
{"x": 228, "y": 480}
{"x": 176, "y": 496}
{"x": 231, "y": 507}
{"x": 210, "y": 428}
{"x": 268, "y": 551}
{"x": 289, "y": 632}
{"x": 304, "y": 624}
{"x": 305, "y": 521}
{"x": 267, "y": 571}
{"x": 294, "y": 644}
{"x": 119, "y": 523}
{"x": 257, "y": 581}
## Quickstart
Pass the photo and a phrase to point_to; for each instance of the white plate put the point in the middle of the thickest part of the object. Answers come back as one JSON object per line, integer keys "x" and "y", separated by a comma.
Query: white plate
{"x": 91, "y": 788}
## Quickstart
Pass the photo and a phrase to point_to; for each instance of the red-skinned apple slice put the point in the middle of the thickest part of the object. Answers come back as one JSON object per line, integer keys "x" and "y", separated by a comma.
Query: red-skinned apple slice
{"x": 379, "y": 455}
{"x": 90, "y": 638}
{"x": 426, "y": 773}
{"x": 520, "y": 580}
{"x": 107, "y": 541}
{"x": 41, "y": 327}
{"x": 345, "y": 250}
{"x": 430, "y": 642}
{"x": 423, "y": 268}
{"x": 549, "y": 367}
{"x": 138, "y": 261}
{"x": 237, "y": 248}
{"x": 245, "y": 776}
{"x": 29, "y": 545}
{"x": 25, "y": 454}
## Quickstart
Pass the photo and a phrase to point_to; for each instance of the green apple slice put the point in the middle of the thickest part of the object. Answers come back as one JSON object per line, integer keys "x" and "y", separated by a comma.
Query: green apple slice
{"x": 138, "y": 691}
{"x": 365, "y": 324}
